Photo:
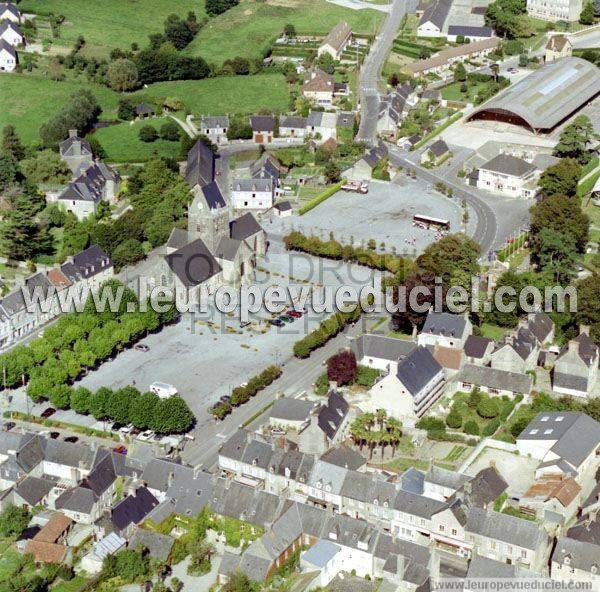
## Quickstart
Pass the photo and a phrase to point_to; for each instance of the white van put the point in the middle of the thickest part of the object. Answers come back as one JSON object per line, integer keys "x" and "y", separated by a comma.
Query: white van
{"x": 163, "y": 390}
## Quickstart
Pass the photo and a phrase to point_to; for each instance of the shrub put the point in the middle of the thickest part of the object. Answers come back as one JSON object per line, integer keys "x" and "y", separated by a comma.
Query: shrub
{"x": 170, "y": 131}
{"x": 471, "y": 428}
{"x": 474, "y": 398}
{"x": 488, "y": 407}
{"x": 322, "y": 385}
{"x": 148, "y": 134}
{"x": 491, "y": 428}
{"x": 366, "y": 376}
{"x": 431, "y": 424}
{"x": 342, "y": 368}
{"x": 454, "y": 419}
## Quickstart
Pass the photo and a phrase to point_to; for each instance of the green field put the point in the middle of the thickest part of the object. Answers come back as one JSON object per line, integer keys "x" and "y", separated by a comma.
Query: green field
{"x": 250, "y": 27}
{"x": 122, "y": 144}
{"x": 111, "y": 23}
{"x": 30, "y": 100}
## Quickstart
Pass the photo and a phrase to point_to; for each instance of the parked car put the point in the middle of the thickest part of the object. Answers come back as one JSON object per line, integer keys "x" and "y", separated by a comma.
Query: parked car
{"x": 54, "y": 435}
{"x": 163, "y": 389}
{"x": 145, "y": 436}
{"x": 8, "y": 425}
{"x": 294, "y": 313}
{"x": 49, "y": 411}
{"x": 276, "y": 322}
{"x": 225, "y": 399}
{"x": 72, "y": 439}
{"x": 287, "y": 318}
{"x": 120, "y": 449}
{"x": 512, "y": 70}
{"x": 142, "y": 347}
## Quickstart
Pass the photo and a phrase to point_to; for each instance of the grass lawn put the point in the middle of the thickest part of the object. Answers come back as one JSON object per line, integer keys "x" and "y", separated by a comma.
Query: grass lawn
{"x": 72, "y": 585}
{"x": 249, "y": 28}
{"x": 402, "y": 464}
{"x": 111, "y": 23}
{"x": 9, "y": 563}
{"x": 122, "y": 144}
{"x": 492, "y": 331}
{"x": 452, "y": 91}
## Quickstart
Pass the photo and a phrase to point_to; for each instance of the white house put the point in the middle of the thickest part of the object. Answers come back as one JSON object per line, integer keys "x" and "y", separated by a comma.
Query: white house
{"x": 555, "y": 10}
{"x": 319, "y": 87}
{"x": 215, "y": 128}
{"x": 253, "y": 194}
{"x": 576, "y": 561}
{"x": 576, "y": 368}
{"x": 11, "y": 33}
{"x": 292, "y": 126}
{"x": 433, "y": 21}
{"x": 336, "y": 41}
{"x": 445, "y": 329}
{"x": 380, "y": 352}
{"x": 9, "y": 12}
{"x": 322, "y": 125}
{"x": 8, "y": 56}
{"x": 508, "y": 175}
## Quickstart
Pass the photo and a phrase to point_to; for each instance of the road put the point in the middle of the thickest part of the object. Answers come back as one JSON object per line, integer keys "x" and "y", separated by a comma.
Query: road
{"x": 485, "y": 231}
{"x": 371, "y": 69}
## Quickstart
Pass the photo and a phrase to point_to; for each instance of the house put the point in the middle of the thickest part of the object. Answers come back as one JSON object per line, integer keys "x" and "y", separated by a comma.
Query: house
{"x": 246, "y": 228}
{"x": 555, "y": 11}
{"x": 11, "y": 33}
{"x": 98, "y": 182}
{"x": 518, "y": 353}
{"x": 9, "y": 12}
{"x": 327, "y": 427}
{"x": 144, "y": 111}
{"x": 363, "y": 168}
{"x": 409, "y": 392}
{"x": 283, "y": 209}
{"x": 575, "y": 561}
{"x": 482, "y": 567}
{"x": 108, "y": 545}
{"x": 32, "y": 492}
{"x": 253, "y": 194}
{"x": 558, "y": 46}
{"x": 493, "y": 381}
{"x": 336, "y": 41}
{"x": 436, "y": 153}
{"x": 292, "y": 126}
{"x": 451, "y": 359}
{"x": 470, "y": 32}
{"x": 263, "y": 128}
{"x": 324, "y": 558}
{"x": 441, "y": 484}
{"x": 344, "y": 456}
{"x": 564, "y": 442}
{"x": 132, "y": 510}
{"x": 8, "y": 57}
{"x": 553, "y": 498}
{"x": 508, "y": 175}
{"x": 380, "y": 352}
{"x": 394, "y": 107}
{"x": 322, "y": 125}
{"x": 319, "y": 87}
{"x": 49, "y": 544}
{"x": 576, "y": 368}
{"x": 433, "y": 20}
{"x": 478, "y": 350}
{"x": 215, "y": 128}
{"x": 291, "y": 414}
{"x": 267, "y": 167}
{"x": 76, "y": 152}
{"x": 446, "y": 329}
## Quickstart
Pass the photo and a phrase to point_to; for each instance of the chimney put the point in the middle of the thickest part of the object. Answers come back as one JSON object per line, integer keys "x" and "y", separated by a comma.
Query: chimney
{"x": 492, "y": 463}
{"x": 249, "y": 437}
{"x": 468, "y": 488}
{"x": 574, "y": 346}
{"x": 584, "y": 330}
{"x": 170, "y": 478}
{"x": 72, "y": 133}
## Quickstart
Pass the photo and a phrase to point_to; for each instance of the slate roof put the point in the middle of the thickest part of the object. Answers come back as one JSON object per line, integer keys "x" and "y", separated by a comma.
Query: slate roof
{"x": 444, "y": 324}
{"x": 439, "y": 148}
{"x": 436, "y": 13}
{"x": 77, "y": 499}
{"x": 541, "y": 325}
{"x": 159, "y": 545}
{"x": 283, "y": 206}
{"x": 292, "y": 121}
{"x": 446, "y": 478}
{"x": 586, "y": 530}
{"x": 34, "y": 489}
{"x": 485, "y": 487}
{"x": 177, "y": 239}
{"x": 496, "y": 379}
{"x": 200, "y": 167}
{"x": 31, "y": 452}
{"x": 228, "y": 248}
{"x": 557, "y": 42}
{"x": 470, "y": 31}
{"x": 345, "y": 119}
{"x": 66, "y": 146}
{"x": 577, "y": 554}
{"x": 263, "y": 123}
{"x": 412, "y": 481}
{"x": 193, "y": 264}
{"x": 86, "y": 264}
{"x": 267, "y": 166}
{"x": 418, "y": 505}
{"x": 133, "y": 509}
{"x": 506, "y": 528}
{"x": 4, "y": 6}
{"x": 476, "y": 346}
{"x": 321, "y": 119}
{"x": 144, "y": 109}
{"x": 369, "y": 345}
{"x": 506, "y": 164}
{"x": 90, "y": 183}
{"x": 291, "y": 409}
{"x": 214, "y": 121}
{"x": 331, "y": 415}
{"x": 253, "y": 185}
{"x": 443, "y": 57}
{"x": 588, "y": 350}
{"x": 244, "y": 227}
{"x": 483, "y": 567}
{"x": 344, "y": 456}
{"x": 417, "y": 370}
{"x": 213, "y": 195}
{"x": 5, "y": 25}
{"x": 338, "y": 35}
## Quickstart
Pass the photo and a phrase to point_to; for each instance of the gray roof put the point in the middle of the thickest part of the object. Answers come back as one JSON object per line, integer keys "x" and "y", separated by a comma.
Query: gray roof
{"x": 292, "y": 121}
{"x": 5, "y": 25}
{"x": 485, "y": 487}
{"x": 321, "y": 553}
{"x": 159, "y": 545}
{"x": 587, "y": 350}
{"x": 548, "y": 95}
{"x": 214, "y": 121}
{"x": 345, "y": 119}
{"x": 417, "y": 370}
{"x": 283, "y": 206}
{"x": 133, "y": 509}
{"x": 577, "y": 554}
{"x": 178, "y": 238}
{"x": 470, "y": 31}
{"x": 193, "y": 264}
{"x": 290, "y": 409}
{"x": 263, "y": 123}
{"x": 344, "y": 456}
{"x": 328, "y": 477}
{"x": 4, "y": 6}
{"x": 446, "y": 478}
{"x": 228, "y": 248}
{"x": 483, "y": 567}
{"x": 74, "y": 455}
{"x": 570, "y": 381}
{"x": 200, "y": 167}
{"x": 34, "y": 489}
{"x": 254, "y": 184}
{"x": 87, "y": 263}
{"x": 363, "y": 487}
{"x": 332, "y": 415}
{"x": 541, "y": 325}
{"x": 439, "y": 148}
{"x": 444, "y": 324}
{"x": 418, "y": 505}
{"x": 476, "y": 346}
{"x": 379, "y": 346}
{"x": 144, "y": 109}
{"x": 494, "y": 378}
{"x": 506, "y": 528}
{"x": 507, "y": 164}
{"x": 77, "y": 499}
{"x": 412, "y": 481}
{"x": 437, "y": 13}
{"x": 66, "y": 146}
{"x": 244, "y": 227}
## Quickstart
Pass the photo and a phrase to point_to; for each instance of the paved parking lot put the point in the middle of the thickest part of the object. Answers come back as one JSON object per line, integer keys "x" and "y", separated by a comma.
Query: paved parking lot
{"x": 385, "y": 213}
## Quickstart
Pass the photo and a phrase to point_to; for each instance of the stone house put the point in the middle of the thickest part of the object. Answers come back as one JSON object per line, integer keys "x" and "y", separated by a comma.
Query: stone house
{"x": 215, "y": 128}
{"x": 263, "y": 128}
{"x": 576, "y": 368}
{"x": 575, "y": 561}
{"x": 336, "y": 41}
{"x": 76, "y": 152}
{"x": 445, "y": 329}
{"x": 558, "y": 46}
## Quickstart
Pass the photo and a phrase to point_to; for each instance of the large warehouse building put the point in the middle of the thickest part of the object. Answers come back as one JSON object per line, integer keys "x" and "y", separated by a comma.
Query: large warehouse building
{"x": 546, "y": 98}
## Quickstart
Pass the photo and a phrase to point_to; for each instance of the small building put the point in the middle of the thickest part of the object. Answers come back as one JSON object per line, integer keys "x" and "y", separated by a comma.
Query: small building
{"x": 555, "y": 11}
{"x": 508, "y": 175}
{"x": 518, "y": 353}
{"x": 478, "y": 350}
{"x": 394, "y": 107}
{"x": 8, "y": 57}
{"x": 380, "y": 352}
{"x": 263, "y": 128}
{"x": 553, "y": 498}
{"x": 319, "y": 87}
{"x": 11, "y": 33}
{"x": 446, "y": 329}
{"x": 336, "y": 41}
{"x": 292, "y": 126}
{"x": 435, "y": 153}
{"x": 363, "y": 168}
{"x": 469, "y": 32}
{"x": 253, "y": 194}
{"x": 9, "y": 12}
{"x": 322, "y": 125}
{"x": 558, "y": 46}
{"x": 144, "y": 111}
{"x": 576, "y": 368}
{"x": 283, "y": 209}
{"x": 76, "y": 152}
{"x": 575, "y": 561}
{"x": 215, "y": 128}
{"x": 325, "y": 558}
{"x": 433, "y": 20}
{"x": 291, "y": 414}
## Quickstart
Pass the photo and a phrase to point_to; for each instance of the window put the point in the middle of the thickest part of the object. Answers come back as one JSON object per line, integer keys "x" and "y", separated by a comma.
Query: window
{"x": 442, "y": 528}
{"x": 547, "y": 431}
{"x": 533, "y": 432}
{"x": 454, "y": 532}
{"x": 559, "y": 418}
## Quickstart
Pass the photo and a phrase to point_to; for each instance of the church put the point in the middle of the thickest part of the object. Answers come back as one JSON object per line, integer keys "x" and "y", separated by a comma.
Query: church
{"x": 216, "y": 248}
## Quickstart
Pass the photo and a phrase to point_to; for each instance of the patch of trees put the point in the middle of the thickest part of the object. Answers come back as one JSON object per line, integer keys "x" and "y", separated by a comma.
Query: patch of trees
{"x": 80, "y": 112}
{"x": 376, "y": 429}
{"x": 46, "y": 166}
{"x": 128, "y": 565}
{"x": 509, "y": 18}
{"x": 13, "y": 521}
{"x": 575, "y": 139}
{"x": 166, "y": 63}
{"x": 239, "y": 129}
{"x": 180, "y": 32}
{"x": 215, "y": 7}
{"x": 342, "y": 368}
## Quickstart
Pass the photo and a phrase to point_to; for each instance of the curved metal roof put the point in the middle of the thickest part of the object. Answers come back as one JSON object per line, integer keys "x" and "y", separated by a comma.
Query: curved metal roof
{"x": 547, "y": 96}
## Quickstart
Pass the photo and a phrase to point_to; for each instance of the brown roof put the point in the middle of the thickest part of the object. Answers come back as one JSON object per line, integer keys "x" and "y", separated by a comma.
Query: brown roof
{"x": 338, "y": 35}
{"x": 564, "y": 490}
{"x": 58, "y": 279}
{"x": 46, "y": 552}
{"x": 54, "y": 529}
{"x": 454, "y": 52}
{"x": 448, "y": 357}
{"x": 557, "y": 42}
{"x": 318, "y": 81}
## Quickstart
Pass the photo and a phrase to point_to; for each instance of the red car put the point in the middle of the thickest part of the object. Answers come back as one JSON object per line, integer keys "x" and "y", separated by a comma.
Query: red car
{"x": 120, "y": 449}
{"x": 294, "y": 313}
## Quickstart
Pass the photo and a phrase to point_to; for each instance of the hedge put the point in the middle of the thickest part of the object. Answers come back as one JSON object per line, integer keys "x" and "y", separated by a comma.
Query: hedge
{"x": 315, "y": 201}
{"x": 438, "y": 130}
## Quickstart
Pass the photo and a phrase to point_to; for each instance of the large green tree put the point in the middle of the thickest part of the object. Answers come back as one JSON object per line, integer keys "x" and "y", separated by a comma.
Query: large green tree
{"x": 575, "y": 139}
{"x": 561, "y": 178}
{"x": 11, "y": 144}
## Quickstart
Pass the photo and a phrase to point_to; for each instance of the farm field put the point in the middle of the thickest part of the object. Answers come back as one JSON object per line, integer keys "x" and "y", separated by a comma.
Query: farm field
{"x": 122, "y": 144}
{"x": 257, "y": 24}
{"x": 110, "y": 23}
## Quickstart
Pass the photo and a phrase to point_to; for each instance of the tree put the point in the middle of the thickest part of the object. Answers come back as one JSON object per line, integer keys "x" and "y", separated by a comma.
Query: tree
{"x": 126, "y": 110}
{"x": 178, "y": 31}
{"x": 170, "y": 131}
{"x": 99, "y": 402}
{"x": 142, "y": 410}
{"x": 326, "y": 63}
{"x": 215, "y": 7}
{"x": 454, "y": 419}
{"x": 13, "y": 521}
{"x": 574, "y": 140}
{"x": 46, "y": 167}
{"x": 561, "y": 178}
{"x": 471, "y": 428}
{"x": 488, "y": 407}
{"x": 342, "y": 367}
{"x": 333, "y": 173}
{"x": 239, "y": 582}
{"x": 289, "y": 30}
{"x": 127, "y": 253}
{"x": 81, "y": 400}
{"x": 407, "y": 317}
{"x": 588, "y": 305}
{"x": 11, "y": 144}
{"x": 171, "y": 416}
{"x": 556, "y": 253}
{"x": 148, "y": 134}
{"x": 122, "y": 75}
{"x": 9, "y": 172}
{"x": 587, "y": 14}
{"x": 460, "y": 72}
{"x": 128, "y": 564}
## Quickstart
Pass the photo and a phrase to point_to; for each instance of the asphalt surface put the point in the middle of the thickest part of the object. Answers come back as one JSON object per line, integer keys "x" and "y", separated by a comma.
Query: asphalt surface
{"x": 371, "y": 69}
